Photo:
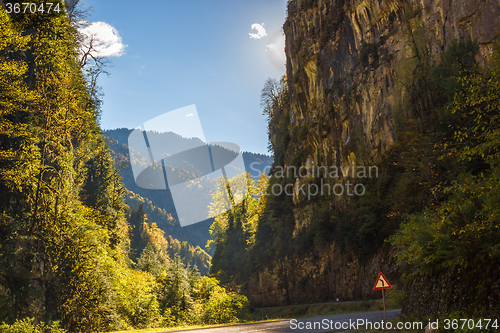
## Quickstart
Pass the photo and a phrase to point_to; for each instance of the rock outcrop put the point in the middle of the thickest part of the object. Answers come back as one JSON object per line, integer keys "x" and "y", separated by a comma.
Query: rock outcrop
{"x": 343, "y": 60}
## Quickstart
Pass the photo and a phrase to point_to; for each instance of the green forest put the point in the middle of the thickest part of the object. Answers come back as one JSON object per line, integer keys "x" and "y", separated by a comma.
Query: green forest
{"x": 431, "y": 212}
{"x": 73, "y": 255}
{"x": 84, "y": 249}
{"x": 440, "y": 178}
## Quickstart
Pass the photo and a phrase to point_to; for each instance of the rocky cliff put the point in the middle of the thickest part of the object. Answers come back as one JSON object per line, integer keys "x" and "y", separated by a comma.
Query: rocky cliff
{"x": 347, "y": 89}
{"x": 343, "y": 58}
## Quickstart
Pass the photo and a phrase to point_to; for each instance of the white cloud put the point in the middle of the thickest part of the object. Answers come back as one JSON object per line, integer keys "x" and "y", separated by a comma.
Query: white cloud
{"x": 261, "y": 32}
{"x": 105, "y": 39}
{"x": 271, "y": 47}
{"x": 190, "y": 114}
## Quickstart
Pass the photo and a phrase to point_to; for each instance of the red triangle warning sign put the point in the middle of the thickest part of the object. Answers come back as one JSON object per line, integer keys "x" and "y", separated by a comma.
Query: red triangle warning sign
{"x": 382, "y": 282}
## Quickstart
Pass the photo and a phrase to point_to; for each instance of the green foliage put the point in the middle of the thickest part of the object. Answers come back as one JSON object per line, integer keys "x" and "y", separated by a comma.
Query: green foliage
{"x": 150, "y": 260}
{"x": 462, "y": 231}
{"x": 52, "y": 237}
{"x": 234, "y": 228}
{"x": 203, "y": 288}
{"x": 134, "y": 300}
{"x": 336, "y": 13}
{"x": 136, "y": 219}
{"x": 439, "y": 176}
{"x": 30, "y": 326}
{"x": 307, "y": 4}
{"x": 184, "y": 297}
{"x": 395, "y": 297}
{"x": 463, "y": 228}
{"x": 224, "y": 307}
{"x": 174, "y": 290}
{"x": 275, "y": 101}
{"x": 159, "y": 208}
{"x": 148, "y": 235}
{"x": 64, "y": 236}
{"x": 461, "y": 234}
{"x": 413, "y": 171}
{"x": 179, "y": 295}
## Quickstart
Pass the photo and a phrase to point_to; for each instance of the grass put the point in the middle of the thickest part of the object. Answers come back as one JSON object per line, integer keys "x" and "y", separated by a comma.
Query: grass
{"x": 260, "y": 315}
{"x": 316, "y": 310}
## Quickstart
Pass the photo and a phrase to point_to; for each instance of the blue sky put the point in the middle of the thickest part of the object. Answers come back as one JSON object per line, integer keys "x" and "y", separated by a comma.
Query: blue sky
{"x": 179, "y": 53}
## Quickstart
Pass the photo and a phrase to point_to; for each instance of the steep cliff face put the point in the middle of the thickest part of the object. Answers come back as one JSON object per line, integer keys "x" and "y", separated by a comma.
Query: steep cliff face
{"x": 347, "y": 94}
{"x": 343, "y": 58}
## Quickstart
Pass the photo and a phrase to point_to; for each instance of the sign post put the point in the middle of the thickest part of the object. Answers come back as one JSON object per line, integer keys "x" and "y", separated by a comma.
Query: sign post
{"x": 382, "y": 283}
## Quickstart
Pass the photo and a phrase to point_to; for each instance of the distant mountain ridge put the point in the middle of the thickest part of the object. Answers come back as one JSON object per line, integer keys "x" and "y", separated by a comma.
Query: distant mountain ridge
{"x": 177, "y": 143}
{"x": 158, "y": 204}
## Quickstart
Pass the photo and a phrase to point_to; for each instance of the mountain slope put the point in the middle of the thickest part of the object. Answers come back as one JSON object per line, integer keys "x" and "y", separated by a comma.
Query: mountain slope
{"x": 371, "y": 84}
{"x": 158, "y": 204}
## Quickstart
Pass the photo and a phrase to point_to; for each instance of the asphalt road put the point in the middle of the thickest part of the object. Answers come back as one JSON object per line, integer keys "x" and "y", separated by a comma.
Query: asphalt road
{"x": 292, "y": 326}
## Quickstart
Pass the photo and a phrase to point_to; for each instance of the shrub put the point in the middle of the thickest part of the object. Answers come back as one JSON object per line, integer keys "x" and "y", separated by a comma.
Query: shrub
{"x": 28, "y": 325}
{"x": 224, "y": 307}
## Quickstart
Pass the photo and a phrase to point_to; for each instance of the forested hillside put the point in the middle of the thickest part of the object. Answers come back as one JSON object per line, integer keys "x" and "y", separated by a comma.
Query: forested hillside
{"x": 144, "y": 232}
{"x": 73, "y": 255}
{"x": 385, "y": 136}
{"x": 158, "y": 205}
{"x": 388, "y": 85}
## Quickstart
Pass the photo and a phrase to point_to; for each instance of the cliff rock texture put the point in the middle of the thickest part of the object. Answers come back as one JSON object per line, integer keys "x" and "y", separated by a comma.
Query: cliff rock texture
{"x": 344, "y": 60}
